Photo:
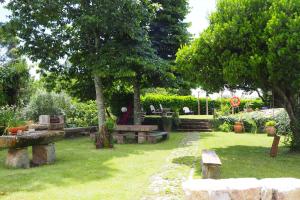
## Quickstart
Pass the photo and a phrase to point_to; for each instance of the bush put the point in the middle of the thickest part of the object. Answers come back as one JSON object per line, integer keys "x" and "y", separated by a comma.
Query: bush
{"x": 256, "y": 121}
{"x": 270, "y": 123}
{"x": 83, "y": 114}
{"x": 225, "y": 127}
{"x": 178, "y": 102}
{"x": 47, "y": 103}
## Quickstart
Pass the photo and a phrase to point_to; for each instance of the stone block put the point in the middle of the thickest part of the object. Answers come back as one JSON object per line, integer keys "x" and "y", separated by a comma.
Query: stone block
{"x": 205, "y": 189}
{"x": 43, "y": 154}
{"x": 243, "y": 188}
{"x": 17, "y": 158}
{"x": 280, "y": 189}
{"x": 211, "y": 171}
{"x": 142, "y": 137}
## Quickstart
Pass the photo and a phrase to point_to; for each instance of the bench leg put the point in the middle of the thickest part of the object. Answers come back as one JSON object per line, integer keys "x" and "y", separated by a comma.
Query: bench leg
{"x": 43, "y": 154}
{"x": 210, "y": 171}
{"x": 152, "y": 139}
{"x": 142, "y": 137}
{"x": 17, "y": 158}
{"x": 120, "y": 139}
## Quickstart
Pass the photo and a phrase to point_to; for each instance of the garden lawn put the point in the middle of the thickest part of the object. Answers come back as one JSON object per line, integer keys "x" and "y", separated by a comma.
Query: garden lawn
{"x": 247, "y": 155}
{"x": 82, "y": 172}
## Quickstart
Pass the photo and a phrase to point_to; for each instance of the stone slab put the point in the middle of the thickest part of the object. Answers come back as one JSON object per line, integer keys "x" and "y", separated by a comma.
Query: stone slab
{"x": 17, "y": 158}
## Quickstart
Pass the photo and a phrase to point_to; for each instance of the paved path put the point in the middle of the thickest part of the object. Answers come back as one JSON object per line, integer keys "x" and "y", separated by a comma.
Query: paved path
{"x": 166, "y": 185}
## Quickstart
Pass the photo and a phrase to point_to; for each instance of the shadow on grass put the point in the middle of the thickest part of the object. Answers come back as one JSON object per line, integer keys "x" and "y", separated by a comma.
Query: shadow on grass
{"x": 250, "y": 161}
{"x": 77, "y": 162}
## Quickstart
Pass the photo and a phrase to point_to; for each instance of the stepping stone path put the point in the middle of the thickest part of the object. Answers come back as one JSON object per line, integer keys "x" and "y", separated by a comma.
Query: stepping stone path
{"x": 167, "y": 184}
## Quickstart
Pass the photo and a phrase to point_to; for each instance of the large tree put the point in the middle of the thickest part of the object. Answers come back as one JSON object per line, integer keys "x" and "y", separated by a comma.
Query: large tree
{"x": 93, "y": 34}
{"x": 14, "y": 72}
{"x": 251, "y": 44}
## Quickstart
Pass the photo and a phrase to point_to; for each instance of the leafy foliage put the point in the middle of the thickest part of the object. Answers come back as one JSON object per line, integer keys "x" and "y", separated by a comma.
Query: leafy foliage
{"x": 47, "y": 103}
{"x": 82, "y": 114}
{"x": 251, "y": 45}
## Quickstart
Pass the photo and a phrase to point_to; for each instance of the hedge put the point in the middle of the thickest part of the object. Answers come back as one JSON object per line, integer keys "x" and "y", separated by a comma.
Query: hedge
{"x": 178, "y": 102}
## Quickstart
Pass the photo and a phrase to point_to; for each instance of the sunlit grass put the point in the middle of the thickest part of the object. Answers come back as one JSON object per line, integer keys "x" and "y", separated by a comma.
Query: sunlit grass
{"x": 82, "y": 172}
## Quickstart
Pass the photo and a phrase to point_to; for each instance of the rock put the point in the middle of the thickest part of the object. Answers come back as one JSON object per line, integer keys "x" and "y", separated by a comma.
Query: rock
{"x": 280, "y": 189}
{"x": 17, "y": 158}
{"x": 43, "y": 154}
{"x": 243, "y": 188}
{"x": 142, "y": 137}
{"x": 205, "y": 189}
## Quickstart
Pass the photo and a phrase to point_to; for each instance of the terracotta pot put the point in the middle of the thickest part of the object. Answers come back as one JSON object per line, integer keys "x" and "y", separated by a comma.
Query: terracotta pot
{"x": 15, "y": 130}
{"x": 238, "y": 127}
{"x": 271, "y": 130}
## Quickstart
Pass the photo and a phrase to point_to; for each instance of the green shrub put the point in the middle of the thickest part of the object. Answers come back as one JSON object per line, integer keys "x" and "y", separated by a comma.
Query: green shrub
{"x": 256, "y": 121}
{"x": 83, "y": 114}
{"x": 225, "y": 127}
{"x": 270, "y": 123}
{"x": 110, "y": 125}
{"x": 178, "y": 102}
{"x": 47, "y": 103}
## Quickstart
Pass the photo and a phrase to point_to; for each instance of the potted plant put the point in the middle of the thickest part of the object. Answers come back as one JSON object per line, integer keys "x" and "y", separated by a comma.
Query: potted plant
{"x": 270, "y": 128}
{"x": 16, "y": 125}
{"x": 238, "y": 127}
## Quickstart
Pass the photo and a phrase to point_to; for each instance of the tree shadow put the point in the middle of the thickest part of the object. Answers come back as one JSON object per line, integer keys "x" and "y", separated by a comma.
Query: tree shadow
{"x": 250, "y": 161}
{"x": 77, "y": 161}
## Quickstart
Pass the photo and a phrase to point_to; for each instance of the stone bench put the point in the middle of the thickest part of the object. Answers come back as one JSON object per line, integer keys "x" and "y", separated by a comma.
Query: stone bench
{"x": 141, "y": 131}
{"x": 43, "y": 149}
{"x": 153, "y": 136}
{"x": 242, "y": 188}
{"x": 210, "y": 164}
{"x": 121, "y": 138}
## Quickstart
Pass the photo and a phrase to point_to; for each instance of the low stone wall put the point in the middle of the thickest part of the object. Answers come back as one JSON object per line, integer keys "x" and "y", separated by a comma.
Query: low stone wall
{"x": 243, "y": 189}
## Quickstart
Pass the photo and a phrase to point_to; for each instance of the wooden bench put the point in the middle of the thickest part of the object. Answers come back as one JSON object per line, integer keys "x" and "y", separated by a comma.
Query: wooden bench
{"x": 210, "y": 164}
{"x": 153, "y": 136}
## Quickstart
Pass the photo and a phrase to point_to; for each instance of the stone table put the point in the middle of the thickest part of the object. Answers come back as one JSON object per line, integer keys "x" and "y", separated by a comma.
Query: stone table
{"x": 43, "y": 149}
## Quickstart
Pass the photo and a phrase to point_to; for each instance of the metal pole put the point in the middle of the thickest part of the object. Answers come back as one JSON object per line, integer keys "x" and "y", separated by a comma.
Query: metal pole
{"x": 199, "y": 103}
{"x": 206, "y": 104}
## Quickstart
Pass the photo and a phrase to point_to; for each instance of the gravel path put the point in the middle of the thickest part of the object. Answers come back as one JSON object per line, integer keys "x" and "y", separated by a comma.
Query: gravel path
{"x": 166, "y": 185}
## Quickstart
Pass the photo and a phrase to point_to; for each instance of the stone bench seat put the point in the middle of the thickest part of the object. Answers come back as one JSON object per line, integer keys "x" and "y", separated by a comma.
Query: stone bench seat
{"x": 210, "y": 164}
{"x": 153, "y": 136}
{"x": 43, "y": 149}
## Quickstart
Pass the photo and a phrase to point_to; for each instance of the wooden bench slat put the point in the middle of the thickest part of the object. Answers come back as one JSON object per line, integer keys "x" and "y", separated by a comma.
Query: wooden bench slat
{"x": 210, "y": 157}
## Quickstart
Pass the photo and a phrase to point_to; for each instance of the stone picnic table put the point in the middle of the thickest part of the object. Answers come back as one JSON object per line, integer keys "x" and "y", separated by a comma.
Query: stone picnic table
{"x": 141, "y": 132}
{"x": 43, "y": 149}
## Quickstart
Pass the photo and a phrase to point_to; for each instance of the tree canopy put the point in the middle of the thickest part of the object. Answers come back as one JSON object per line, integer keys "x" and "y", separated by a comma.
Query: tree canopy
{"x": 250, "y": 44}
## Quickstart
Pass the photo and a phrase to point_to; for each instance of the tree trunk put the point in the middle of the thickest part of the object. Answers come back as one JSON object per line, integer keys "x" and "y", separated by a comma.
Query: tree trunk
{"x": 293, "y": 110}
{"x": 103, "y": 139}
{"x": 137, "y": 100}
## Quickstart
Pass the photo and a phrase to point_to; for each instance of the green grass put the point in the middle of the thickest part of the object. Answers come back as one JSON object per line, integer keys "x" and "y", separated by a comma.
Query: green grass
{"x": 82, "y": 172}
{"x": 247, "y": 155}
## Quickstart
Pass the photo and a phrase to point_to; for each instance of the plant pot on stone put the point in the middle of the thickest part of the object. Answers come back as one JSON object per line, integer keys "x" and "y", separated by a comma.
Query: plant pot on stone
{"x": 238, "y": 127}
{"x": 270, "y": 128}
{"x": 16, "y": 126}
